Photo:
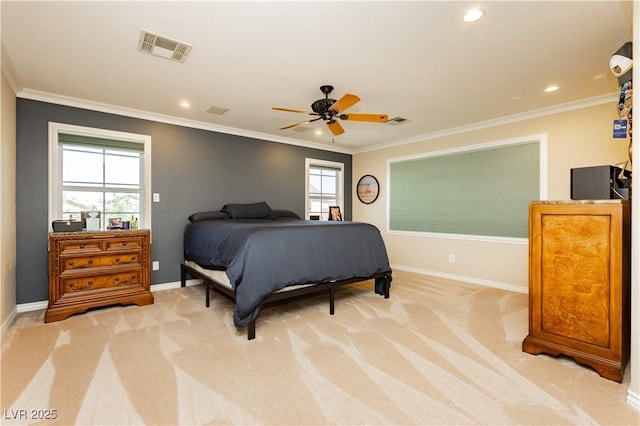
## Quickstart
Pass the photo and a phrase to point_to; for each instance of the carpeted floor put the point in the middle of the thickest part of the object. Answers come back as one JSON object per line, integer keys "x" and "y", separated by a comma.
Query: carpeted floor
{"x": 436, "y": 352}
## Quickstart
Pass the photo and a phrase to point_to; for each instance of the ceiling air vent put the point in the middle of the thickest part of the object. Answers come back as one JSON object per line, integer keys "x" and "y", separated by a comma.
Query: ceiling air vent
{"x": 396, "y": 121}
{"x": 217, "y": 110}
{"x": 163, "y": 47}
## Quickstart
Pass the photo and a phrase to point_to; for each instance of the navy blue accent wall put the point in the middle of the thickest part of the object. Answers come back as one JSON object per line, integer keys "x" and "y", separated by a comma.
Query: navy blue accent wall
{"x": 192, "y": 170}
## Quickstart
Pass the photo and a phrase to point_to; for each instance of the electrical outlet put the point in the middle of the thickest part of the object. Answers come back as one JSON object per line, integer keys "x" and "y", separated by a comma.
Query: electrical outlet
{"x": 156, "y": 197}
{"x": 452, "y": 258}
{"x": 155, "y": 265}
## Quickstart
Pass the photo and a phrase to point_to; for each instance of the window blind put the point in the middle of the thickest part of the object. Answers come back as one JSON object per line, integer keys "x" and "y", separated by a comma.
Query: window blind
{"x": 482, "y": 192}
{"x": 91, "y": 141}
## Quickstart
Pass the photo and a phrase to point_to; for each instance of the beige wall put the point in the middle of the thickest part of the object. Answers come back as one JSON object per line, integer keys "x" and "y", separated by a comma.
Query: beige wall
{"x": 7, "y": 203}
{"x": 576, "y": 138}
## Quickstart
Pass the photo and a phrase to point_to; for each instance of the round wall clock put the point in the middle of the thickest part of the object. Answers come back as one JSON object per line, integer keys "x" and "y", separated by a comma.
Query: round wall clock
{"x": 367, "y": 189}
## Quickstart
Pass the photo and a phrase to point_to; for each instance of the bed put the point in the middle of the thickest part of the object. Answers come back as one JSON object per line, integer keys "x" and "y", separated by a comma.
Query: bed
{"x": 257, "y": 255}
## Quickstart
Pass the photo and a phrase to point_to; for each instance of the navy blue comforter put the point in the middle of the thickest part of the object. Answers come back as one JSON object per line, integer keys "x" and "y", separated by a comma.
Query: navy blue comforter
{"x": 264, "y": 256}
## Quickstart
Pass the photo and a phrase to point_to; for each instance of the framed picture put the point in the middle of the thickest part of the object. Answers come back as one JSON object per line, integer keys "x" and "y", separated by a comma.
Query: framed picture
{"x": 334, "y": 213}
{"x": 115, "y": 223}
{"x": 367, "y": 189}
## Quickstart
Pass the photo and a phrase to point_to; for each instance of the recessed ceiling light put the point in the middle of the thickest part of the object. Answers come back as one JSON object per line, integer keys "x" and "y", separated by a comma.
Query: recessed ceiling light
{"x": 551, "y": 89}
{"x": 318, "y": 132}
{"x": 185, "y": 104}
{"x": 473, "y": 15}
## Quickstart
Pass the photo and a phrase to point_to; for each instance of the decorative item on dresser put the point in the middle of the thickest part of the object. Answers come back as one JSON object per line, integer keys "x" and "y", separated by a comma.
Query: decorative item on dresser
{"x": 94, "y": 269}
{"x": 579, "y": 282}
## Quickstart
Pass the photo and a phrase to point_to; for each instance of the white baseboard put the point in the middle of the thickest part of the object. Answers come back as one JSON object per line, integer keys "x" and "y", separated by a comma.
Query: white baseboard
{"x": 33, "y": 306}
{"x": 470, "y": 280}
{"x": 10, "y": 319}
{"x": 633, "y": 399}
{"x": 36, "y": 306}
{"x": 175, "y": 284}
{"x": 23, "y": 307}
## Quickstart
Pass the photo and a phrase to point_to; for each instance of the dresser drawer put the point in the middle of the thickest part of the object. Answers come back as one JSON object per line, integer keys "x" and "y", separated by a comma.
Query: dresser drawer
{"x": 123, "y": 244}
{"x": 86, "y": 262}
{"x": 80, "y": 246}
{"x": 86, "y": 283}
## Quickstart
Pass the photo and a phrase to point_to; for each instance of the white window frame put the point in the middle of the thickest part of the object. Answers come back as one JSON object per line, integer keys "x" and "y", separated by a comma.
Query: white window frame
{"x": 55, "y": 166}
{"x": 310, "y": 162}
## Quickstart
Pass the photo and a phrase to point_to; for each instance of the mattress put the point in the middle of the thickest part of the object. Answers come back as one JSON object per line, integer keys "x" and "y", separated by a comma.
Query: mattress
{"x": 221, "y": 277}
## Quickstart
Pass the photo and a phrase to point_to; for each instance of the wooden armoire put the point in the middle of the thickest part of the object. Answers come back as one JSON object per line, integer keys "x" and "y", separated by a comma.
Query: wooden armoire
{"x": 579, "y": 282}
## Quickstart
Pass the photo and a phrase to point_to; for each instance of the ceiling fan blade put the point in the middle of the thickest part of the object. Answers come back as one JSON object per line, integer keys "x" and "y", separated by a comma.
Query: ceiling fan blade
{"x": 380, "y": 118}
{"x": 294, "y": 110}
{"x": 348, "y": 100}
{"x": 335, "y": 127}
{"x": 300, "y": 123}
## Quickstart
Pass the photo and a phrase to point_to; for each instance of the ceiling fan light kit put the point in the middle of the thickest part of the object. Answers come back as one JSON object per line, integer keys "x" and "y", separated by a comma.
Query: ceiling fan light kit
{"x": 328, "y": 109}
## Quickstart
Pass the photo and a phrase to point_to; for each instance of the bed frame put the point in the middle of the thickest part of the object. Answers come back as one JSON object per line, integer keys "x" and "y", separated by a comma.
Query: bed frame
{"x": 284, "y": 294}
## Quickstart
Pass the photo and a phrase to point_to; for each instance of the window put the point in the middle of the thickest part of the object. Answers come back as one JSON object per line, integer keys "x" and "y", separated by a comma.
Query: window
{"x": 99, "y": 170}
{"x": 478, "y": 192}
{"x": 324, "y": 187}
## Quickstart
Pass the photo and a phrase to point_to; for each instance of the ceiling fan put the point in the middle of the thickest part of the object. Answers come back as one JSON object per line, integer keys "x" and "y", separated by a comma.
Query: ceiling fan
{"x": 329, "y": 109}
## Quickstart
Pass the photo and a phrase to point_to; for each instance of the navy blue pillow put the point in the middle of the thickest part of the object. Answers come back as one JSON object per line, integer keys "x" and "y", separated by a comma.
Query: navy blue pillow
{"x": 259, "y": 210}
{"x": 285, "y": 213}
{"x": 210, "y": 215}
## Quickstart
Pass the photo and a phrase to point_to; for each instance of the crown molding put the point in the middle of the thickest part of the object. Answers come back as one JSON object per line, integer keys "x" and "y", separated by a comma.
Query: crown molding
{"x": 130, "y": 112}
{"x": 69, "y": 101}
{"x": 542, "y": 112}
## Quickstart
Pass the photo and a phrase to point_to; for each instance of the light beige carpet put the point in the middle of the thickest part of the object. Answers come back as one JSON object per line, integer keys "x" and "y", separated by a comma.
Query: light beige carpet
{"x": 436, "y": 352}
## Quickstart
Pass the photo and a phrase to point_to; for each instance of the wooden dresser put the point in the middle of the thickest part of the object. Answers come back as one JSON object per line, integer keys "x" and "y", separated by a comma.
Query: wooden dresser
{"x": 579, "y": 282}
{"x": 93, "y": 269}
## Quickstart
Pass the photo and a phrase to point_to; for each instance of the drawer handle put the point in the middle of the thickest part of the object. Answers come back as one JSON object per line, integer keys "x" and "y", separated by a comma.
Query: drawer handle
{"x": 73, "y": 265}
{"x": 81, "y": 245}
{"x": 82, "y": 287}
{"x": 124, "y": 243}
{"x": 125, "y": 281}
{"x": 130, "y": 260}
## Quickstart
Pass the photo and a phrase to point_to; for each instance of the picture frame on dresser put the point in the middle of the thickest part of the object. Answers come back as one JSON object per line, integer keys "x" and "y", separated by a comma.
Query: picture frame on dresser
{"x": 334, "y": 213}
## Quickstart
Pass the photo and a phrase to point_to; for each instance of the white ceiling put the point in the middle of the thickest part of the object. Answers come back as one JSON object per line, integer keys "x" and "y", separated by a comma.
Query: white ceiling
{"x": 415, "y": 60}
